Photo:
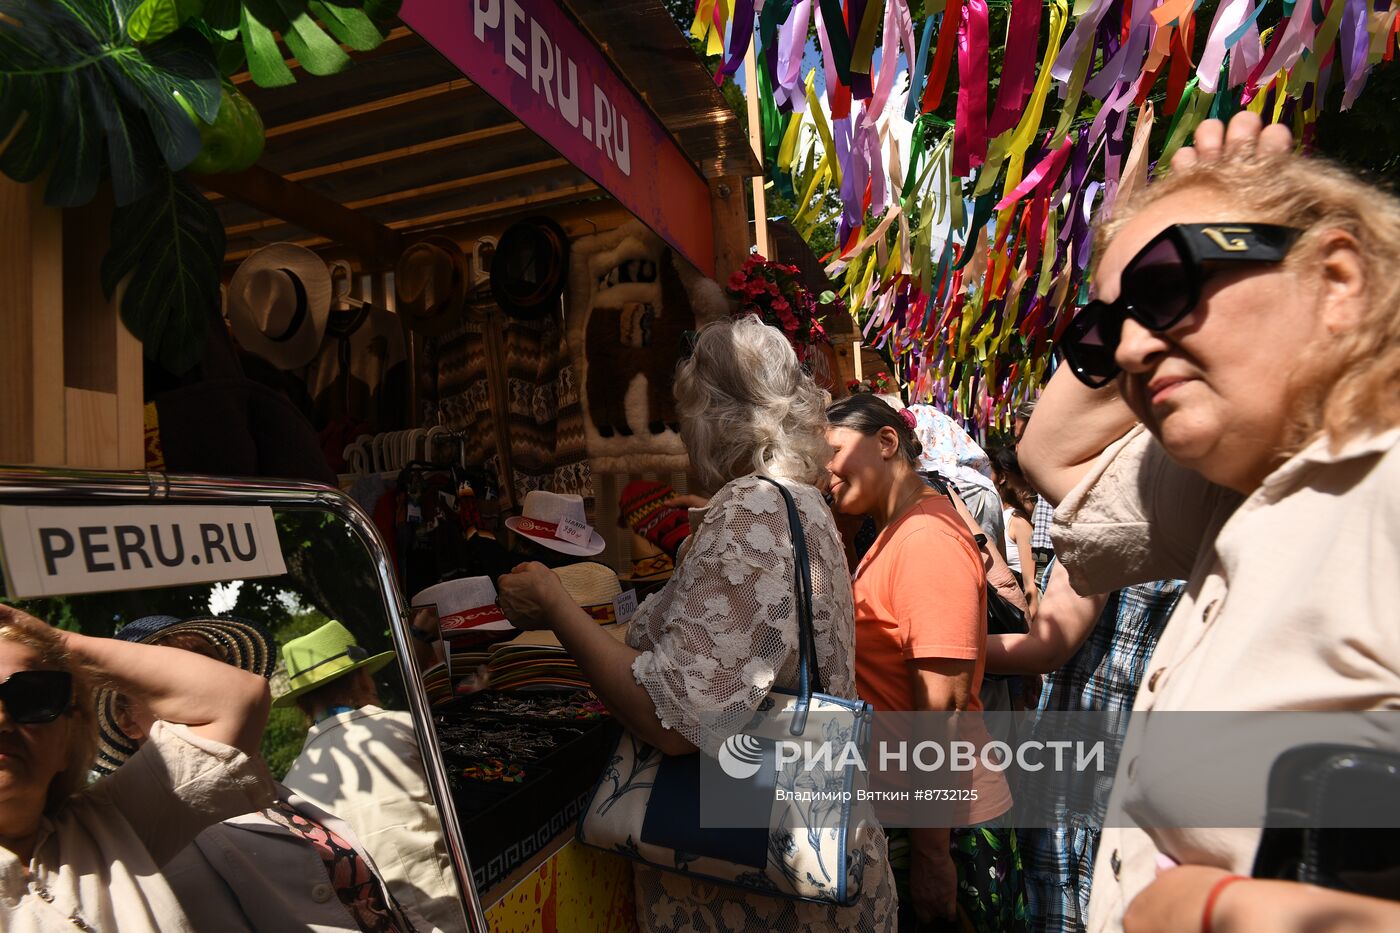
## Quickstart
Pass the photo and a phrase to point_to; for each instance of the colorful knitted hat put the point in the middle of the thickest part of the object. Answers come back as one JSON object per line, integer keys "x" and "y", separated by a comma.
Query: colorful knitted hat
{"x": 640, "y": 509}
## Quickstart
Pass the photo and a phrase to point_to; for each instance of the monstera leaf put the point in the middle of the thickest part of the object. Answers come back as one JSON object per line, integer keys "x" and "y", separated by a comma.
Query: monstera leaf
{"x": 168, "y": 246}
{"x": 313, "y": 31}
{"x": 82, "y": 100}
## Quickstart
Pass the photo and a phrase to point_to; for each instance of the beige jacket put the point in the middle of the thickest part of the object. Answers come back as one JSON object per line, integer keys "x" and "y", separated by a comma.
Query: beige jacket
{"x": 365, "y": 767}
{"x": 1290, "y": 604}
{"x": 98, "y": 859}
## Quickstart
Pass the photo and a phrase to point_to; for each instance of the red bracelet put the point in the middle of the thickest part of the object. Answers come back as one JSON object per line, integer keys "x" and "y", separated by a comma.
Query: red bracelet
{"x": 1214, "y": 895}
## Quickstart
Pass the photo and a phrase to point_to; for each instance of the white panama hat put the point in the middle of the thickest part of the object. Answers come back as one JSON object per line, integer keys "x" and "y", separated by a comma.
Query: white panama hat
{"x": 466, "y": 609}
{"x": 279, "y": 301}
{"x": 545, "y": 513}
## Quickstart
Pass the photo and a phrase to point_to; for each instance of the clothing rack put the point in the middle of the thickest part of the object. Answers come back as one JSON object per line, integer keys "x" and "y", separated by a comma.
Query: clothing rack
{"x": 388, "y": 453}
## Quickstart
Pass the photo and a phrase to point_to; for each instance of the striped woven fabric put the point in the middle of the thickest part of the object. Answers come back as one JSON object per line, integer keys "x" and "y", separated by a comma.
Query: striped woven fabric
{"x": 642, "y": 511}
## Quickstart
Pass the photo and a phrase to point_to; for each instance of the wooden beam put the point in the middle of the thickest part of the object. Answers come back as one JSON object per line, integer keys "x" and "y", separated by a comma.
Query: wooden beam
{"x": 323, "y": 120}
{"x": 444, "y": 146}
{"x": 465, "y": 215}
{"x": 377, "y": 245}
{"x": 491, "y": 207}
{"x": 397, "y": 38}
{"x": 578, "y": 218}
{"x": 398, "y": 197}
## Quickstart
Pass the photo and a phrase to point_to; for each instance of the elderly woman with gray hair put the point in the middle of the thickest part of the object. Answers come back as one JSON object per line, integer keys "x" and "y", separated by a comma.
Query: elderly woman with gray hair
{"x": 704, "y": 652}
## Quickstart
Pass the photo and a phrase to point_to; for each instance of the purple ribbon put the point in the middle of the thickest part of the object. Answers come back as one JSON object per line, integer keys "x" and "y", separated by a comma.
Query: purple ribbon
{"x": 1355, "y": 44}
{"x": 741, "y": 35}
{"x": 788, "y": 88}
{"x": 1082, "y": 34}
{"x": 1127, "y": 62}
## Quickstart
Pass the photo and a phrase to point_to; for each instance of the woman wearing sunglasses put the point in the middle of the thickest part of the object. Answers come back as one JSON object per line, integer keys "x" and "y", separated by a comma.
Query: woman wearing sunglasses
{"x": 79, "y": 857}
{"x": 1228, "y": 414}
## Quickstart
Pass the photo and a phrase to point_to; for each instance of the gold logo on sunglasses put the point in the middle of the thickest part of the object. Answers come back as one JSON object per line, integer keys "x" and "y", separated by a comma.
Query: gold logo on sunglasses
{"x": 1218, "y": 237}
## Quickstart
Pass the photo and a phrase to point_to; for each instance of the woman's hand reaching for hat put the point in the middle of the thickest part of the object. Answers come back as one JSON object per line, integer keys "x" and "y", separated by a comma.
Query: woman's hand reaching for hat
{"x": 532, "y": 596}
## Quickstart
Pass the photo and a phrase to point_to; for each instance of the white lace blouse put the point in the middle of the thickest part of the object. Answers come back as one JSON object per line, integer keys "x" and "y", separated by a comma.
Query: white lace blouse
{"x": 713, "y": 642}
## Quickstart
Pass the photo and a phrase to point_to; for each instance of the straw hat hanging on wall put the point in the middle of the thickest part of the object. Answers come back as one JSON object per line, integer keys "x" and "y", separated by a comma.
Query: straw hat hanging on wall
{"x": 278, "y": 303}
{"x": 430, "y": 285}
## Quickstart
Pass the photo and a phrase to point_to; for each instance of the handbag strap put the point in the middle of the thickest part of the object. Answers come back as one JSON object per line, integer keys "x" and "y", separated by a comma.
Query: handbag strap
{"x": 809, "y": 677}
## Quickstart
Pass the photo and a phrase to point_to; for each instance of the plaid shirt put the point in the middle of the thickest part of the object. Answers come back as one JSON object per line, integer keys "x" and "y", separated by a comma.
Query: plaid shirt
{"x": 1042, "y": 518}
{"x": 1103, "y": 675}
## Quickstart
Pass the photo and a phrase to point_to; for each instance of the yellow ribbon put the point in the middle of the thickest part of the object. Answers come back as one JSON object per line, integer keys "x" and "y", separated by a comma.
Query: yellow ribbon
{"x": 1030, "y": 120}
{"x": 814, "y": 107}
{"x": 863, "y": 52}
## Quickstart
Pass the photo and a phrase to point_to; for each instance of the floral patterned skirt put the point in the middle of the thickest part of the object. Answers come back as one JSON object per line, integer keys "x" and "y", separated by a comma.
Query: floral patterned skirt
{"x": 991, "y": 891}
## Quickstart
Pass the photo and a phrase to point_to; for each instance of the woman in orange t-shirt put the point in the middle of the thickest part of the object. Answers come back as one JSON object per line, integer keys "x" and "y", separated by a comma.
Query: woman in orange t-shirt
{"x": 921, "y": 644}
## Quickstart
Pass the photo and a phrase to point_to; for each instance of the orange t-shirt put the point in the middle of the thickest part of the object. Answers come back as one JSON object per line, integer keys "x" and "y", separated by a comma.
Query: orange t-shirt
{"x": 921, "y": 592}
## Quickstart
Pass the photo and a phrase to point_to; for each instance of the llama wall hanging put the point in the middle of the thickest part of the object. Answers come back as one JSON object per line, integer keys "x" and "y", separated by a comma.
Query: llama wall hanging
{"x": 631, "y": 301}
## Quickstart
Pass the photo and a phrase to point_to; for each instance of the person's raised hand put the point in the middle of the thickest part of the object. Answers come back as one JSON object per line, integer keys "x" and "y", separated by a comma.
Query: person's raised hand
{"x": 1246, "y": 133}
{"x": 531, "y": 595}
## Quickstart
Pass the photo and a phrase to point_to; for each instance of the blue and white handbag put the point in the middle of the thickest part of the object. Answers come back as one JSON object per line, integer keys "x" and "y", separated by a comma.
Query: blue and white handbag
{"x": 646, "y": 805}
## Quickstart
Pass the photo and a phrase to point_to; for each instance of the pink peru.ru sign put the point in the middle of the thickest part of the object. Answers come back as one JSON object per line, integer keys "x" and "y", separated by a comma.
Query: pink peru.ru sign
{"x": 532, "y": 57}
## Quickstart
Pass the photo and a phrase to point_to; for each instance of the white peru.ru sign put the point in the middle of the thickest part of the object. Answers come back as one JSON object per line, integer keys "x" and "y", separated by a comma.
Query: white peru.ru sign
{"x": 62, "y": 550}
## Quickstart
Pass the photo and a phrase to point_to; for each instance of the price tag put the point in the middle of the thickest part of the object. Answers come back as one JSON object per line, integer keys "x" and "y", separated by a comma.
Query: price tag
{"x": 414, "y": 513}
{"x": 574, "y": 532}
{"x": 625, "y": 605}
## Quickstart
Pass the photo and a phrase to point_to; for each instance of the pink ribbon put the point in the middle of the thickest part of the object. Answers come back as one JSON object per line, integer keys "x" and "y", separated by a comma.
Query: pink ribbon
{"x": 838, "y": 103}
{"x": 1047, "y": 172}
{"x": 1229, "y": 17}
{"x": 1018, "y": 70}
{"x": 970, "y": 131}
{"x": 899, "y": 30}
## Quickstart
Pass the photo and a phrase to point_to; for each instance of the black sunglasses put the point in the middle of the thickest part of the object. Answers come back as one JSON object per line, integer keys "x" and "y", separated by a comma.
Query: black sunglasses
{"x": 35, "y": 697}
{"x": 1161, "y": 285}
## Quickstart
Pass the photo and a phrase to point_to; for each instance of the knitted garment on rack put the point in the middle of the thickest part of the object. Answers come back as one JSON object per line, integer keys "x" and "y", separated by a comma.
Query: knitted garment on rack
{"x": 539, "y": 402}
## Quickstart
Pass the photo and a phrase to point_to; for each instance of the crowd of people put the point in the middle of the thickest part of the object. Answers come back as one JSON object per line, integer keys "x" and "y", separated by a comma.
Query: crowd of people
{"x": 1219, "y": 449}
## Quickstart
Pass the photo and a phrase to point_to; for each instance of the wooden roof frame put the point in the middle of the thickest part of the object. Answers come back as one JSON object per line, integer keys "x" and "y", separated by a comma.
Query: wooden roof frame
{"x": 373, "y": 194}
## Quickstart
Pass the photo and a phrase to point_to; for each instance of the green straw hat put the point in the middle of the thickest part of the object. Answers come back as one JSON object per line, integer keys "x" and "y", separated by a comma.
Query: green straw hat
{"x": 322, "y": 656}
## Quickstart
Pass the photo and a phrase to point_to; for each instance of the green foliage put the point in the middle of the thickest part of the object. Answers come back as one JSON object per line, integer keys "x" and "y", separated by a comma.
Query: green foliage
{"x": 171, "y": 244}
{"x": 1367, "y": 136}
{"x": 311, "y": 29}
{"x": 156, "y": 19}
{"x": 83, "y": 101}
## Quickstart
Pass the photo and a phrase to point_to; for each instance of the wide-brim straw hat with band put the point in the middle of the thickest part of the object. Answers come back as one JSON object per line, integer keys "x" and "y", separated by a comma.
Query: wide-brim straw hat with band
{"x": 245, "y": 645}
{"x": 593, "y": 587}
{"x": 431, "y": 280}
{"x": 322, "y": 656}
{"x": 545, "y": 514}
{"x": 279, "y": 301}
{"x": 467, "y": 610}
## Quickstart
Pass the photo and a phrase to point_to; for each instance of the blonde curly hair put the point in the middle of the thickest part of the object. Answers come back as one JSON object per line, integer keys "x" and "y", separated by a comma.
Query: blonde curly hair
{"x": 22, "y": 628}
{"x": 1347, "y": 386}
{"x": 747, "y": 406}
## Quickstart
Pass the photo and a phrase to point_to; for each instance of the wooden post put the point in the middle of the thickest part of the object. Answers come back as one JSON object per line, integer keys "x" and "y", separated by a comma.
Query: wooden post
{"x": 70, "y": 372}
{"x": 31, "y": 327}
{"x": 731, "y": 222}
{"x": 760, "y": 199}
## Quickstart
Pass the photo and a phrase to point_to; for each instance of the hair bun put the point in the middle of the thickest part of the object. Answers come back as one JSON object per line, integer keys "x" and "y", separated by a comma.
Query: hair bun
{"x": 908, "y": 418}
